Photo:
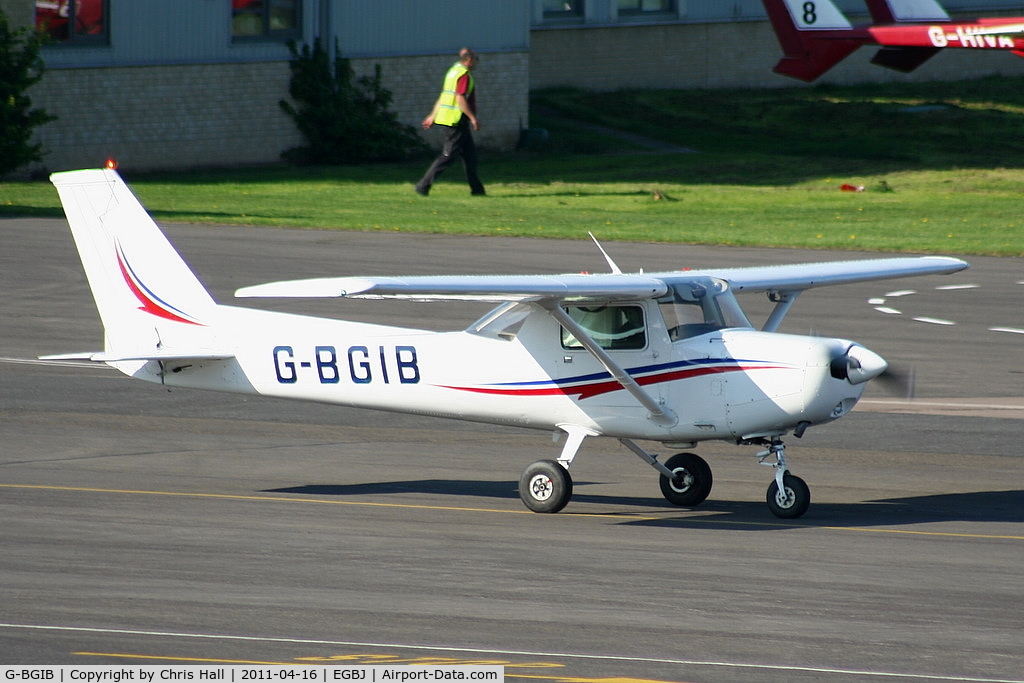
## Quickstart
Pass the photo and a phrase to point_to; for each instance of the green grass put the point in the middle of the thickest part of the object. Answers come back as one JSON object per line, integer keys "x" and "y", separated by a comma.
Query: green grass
{"x": 945, "y": 177}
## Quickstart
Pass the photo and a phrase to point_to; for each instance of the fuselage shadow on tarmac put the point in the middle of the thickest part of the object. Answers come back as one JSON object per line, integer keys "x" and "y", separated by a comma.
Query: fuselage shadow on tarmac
{"x": 978, "y": 507}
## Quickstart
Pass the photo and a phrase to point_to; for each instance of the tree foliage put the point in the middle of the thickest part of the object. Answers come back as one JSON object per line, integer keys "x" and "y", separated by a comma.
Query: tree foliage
{"x": 344, "y": 119}
{"x": 20, "y": 68}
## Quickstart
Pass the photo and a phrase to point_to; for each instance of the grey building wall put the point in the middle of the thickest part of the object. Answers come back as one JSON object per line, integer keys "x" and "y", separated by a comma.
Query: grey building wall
{"x": 717, "y": 55}
{"x": 172, "y": 90}
{"x": 713, "y": 44}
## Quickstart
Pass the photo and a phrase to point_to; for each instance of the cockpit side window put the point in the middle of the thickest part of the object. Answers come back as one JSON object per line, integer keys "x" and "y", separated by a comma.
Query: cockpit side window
{"x": 612, "y": 327}
{"x": 698, "y": 307}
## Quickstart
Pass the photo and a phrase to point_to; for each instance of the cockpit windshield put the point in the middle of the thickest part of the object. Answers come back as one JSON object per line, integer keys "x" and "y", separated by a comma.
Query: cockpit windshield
{"x": 700, "y": 305}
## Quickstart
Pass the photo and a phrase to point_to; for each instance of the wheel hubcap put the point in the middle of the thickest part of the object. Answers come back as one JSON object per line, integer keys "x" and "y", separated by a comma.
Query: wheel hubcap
{"x": 682, "y": 481}
{"x": 541, "y": 487}
{"x": 785, "y": 498}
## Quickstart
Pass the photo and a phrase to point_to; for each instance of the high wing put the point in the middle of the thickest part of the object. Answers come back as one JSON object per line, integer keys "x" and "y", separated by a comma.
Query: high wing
{"x": 495, "y": 288}
{"x": 603, "y": 287}
{"x": 798, "y": 277}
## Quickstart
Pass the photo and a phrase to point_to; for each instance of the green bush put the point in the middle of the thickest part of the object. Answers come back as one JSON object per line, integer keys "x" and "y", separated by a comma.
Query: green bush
{"x": 344, "y": 119}
{"x": 20, "y": 68}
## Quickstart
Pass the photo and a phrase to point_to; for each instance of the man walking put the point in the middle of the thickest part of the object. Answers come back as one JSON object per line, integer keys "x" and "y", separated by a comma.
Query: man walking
{"x": 455, "y": 112}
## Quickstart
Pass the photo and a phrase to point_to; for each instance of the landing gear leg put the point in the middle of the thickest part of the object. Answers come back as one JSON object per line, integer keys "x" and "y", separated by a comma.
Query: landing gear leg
{"x": 788, "y": 496}
{"x": 685, "y": 477}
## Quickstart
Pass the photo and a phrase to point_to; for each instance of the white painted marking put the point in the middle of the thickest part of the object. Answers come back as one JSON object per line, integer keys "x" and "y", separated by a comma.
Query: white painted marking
{"x": 887, "y": 310}
{"x": 953, "y": 287}
{"x": 935, "y": 321}
{"x": 1012, "y": 330}
{"x": 902, "y": 292}
{"x": 922, "y": 403}
{"x": 877, "y": 301}
{"x": 525, "y": 653}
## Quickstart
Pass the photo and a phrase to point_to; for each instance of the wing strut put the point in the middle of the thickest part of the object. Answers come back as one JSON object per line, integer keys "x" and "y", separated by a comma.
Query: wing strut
{"x": 783, "y": 300}
{"x": 658, "y": 413}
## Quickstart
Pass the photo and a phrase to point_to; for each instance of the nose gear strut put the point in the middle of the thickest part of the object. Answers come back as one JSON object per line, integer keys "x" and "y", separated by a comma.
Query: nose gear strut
{"x": 788, "y": 496}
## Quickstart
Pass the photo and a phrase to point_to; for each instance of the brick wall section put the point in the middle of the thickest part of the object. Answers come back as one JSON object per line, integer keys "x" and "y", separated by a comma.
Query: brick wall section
{"x": 163, "y": 117}
{"x": 18, "y": 12}
{"x": 715, "y": 55}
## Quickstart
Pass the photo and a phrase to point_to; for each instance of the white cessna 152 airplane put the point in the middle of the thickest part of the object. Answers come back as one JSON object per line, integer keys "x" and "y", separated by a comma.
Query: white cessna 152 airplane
{"x": 667, "y": 357}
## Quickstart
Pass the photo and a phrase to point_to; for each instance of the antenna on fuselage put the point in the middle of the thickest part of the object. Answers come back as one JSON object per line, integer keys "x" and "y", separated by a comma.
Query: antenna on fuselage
{"x": 611, "y": 264}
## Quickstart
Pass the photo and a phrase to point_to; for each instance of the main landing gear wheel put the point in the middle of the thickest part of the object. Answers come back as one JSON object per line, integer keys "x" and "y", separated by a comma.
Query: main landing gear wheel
{"x": 792, "y": 501}
{"x": 692, "y": 482}
{"x": 545, "y": 486}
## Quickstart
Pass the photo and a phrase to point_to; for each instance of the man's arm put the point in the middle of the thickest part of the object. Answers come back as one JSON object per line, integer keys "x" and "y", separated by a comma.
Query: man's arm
{"x": 467, "y": 111}
{"x": 429, "y": 121}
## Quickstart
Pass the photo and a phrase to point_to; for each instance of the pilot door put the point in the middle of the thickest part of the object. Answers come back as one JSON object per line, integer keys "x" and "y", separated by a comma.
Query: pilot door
{"x": 622, "y": 331}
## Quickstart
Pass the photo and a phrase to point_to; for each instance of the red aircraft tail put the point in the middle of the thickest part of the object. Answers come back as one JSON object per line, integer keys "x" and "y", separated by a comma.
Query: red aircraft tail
{"x": 815, "y": 35}
{"x": 807, "y": 56}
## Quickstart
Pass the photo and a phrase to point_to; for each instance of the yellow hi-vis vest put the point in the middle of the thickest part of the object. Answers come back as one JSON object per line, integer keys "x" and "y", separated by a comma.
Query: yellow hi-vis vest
{"x": 448, "y": 113}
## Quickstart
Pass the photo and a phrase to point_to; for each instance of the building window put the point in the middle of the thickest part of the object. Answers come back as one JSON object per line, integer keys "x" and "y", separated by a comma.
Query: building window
{"x": 562, "y": 8}
{"x": 73, "y": 21}
{"x": 265, "y": 19}
{"x": 645, "y": 6}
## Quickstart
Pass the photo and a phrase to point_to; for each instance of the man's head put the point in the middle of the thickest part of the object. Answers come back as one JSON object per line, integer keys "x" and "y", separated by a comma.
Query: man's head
{"x": 468, "y": 58}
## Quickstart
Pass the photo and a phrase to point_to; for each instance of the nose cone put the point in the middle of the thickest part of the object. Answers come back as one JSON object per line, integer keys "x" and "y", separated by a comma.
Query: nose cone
{"x": 861, "y": 364}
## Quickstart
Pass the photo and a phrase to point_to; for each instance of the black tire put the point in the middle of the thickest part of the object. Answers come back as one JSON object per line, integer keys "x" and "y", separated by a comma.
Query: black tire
{"x": 545, "y": 486}
{"x": 796, "y": 500}
{"x": 692, "y": 482}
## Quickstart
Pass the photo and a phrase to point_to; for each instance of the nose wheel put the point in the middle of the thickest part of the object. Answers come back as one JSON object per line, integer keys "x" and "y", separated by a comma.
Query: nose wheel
{"x": 788, "y": 496}
{"x": 790, "y": 501}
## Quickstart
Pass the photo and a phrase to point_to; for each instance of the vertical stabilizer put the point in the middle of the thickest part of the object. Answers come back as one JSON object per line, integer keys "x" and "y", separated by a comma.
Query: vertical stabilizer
{"x": 800, "y": 28}
{"x": 895, "y": 11}
{"x": 147, "y": 296}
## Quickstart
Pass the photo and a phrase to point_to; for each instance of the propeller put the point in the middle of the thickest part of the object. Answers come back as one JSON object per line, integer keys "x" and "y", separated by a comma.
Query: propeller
{"x": 899, "y": 382}
{"x": 857, "y": 365}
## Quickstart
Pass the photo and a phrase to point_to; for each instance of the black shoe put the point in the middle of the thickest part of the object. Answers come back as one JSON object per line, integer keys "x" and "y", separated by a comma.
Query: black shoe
{"x": 479, "y": 193}
{"x": 421, "y": 192}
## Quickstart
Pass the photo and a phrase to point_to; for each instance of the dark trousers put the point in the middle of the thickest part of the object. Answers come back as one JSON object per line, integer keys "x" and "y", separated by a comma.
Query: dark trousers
{"x": 458, "y": 143}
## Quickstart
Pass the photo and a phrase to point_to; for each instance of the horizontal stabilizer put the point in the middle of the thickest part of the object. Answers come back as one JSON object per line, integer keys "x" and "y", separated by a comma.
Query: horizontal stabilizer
{"x": 166, "y": 355}
{"x": 818, "y": 57}
{"x": 904, "y": 59}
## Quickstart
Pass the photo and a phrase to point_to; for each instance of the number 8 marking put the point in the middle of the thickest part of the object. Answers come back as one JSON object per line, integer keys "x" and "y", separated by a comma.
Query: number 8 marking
{"x": 810, "y": 16}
